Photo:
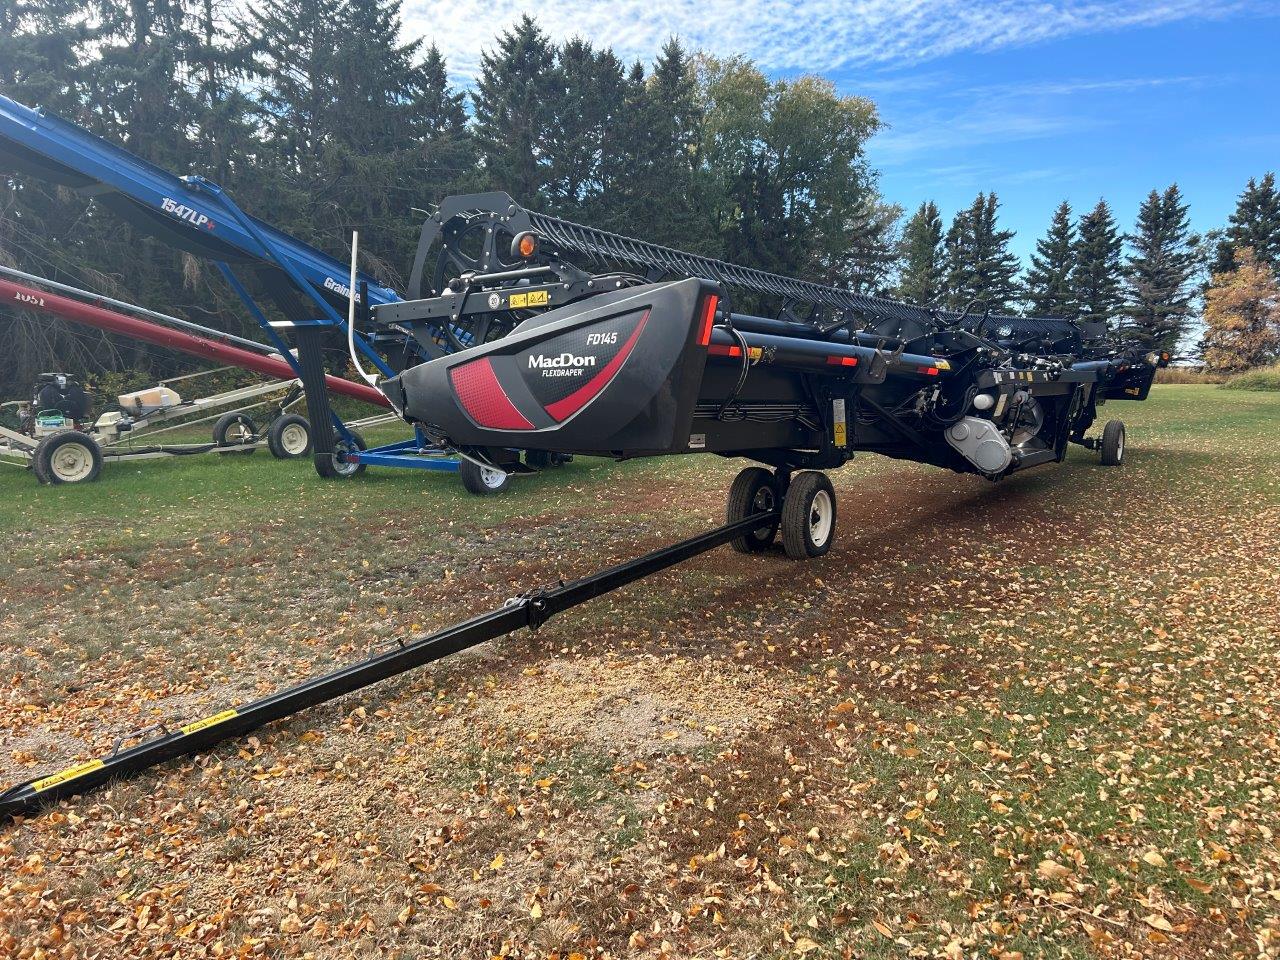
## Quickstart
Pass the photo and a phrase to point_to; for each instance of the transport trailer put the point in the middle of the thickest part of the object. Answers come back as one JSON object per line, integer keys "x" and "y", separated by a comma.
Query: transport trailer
{"x": 557, "y": 339}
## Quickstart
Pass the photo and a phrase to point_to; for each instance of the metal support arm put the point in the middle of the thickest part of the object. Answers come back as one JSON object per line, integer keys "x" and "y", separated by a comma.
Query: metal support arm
{"x": 528, "y": 610}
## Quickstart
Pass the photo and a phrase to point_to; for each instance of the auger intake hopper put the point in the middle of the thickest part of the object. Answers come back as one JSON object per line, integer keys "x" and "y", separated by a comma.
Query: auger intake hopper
{"x": 616, "y": 375}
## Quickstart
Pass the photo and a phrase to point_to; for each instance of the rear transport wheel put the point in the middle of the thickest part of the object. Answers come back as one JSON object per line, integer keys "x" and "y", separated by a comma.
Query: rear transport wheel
{"x": 754, "y": 490}
{"x": 289, "y": 437}
{"x": 482, "y": 481}
{"x": 808, "y": 516}
{"x": 1113, "y": 443}
{"x": 233, "y": 429}
{"x": 332, "y": 466}
{"x": 68, "y": 456}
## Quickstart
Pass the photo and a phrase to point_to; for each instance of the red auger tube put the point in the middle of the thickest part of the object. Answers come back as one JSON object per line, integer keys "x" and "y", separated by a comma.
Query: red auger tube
{"x": 38, "y": 301}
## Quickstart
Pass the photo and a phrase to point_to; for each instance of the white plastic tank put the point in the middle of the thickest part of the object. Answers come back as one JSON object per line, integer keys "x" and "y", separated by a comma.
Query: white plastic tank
{"x": 142, "y": 402}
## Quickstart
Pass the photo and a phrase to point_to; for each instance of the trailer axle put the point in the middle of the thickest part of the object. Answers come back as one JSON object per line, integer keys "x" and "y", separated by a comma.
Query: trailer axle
{"x": 530, "y": 609}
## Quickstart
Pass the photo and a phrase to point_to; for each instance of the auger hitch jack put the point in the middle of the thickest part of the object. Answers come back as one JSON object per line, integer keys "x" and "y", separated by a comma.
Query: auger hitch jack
{"x": 530, "y": 609}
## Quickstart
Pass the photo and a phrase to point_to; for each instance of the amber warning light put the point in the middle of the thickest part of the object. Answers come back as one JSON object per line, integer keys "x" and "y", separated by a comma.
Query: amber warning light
{"x": 524, "y": 245}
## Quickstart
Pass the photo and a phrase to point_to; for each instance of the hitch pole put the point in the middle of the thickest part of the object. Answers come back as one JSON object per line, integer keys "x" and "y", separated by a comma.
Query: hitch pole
{"x": 527, "y": 610}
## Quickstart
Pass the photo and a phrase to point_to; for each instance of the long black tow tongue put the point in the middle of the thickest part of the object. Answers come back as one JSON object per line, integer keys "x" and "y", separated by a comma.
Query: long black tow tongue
{"x": 530, "y": 610}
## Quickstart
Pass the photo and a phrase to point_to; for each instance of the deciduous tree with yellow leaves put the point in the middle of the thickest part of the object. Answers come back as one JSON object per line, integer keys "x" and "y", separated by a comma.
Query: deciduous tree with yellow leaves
{"x": 1242, "y": 316}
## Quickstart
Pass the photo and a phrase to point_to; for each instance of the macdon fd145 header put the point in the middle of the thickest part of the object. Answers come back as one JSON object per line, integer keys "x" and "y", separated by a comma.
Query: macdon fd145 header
{"x": 566, "y": 339}
{"x": 569, "y": 350}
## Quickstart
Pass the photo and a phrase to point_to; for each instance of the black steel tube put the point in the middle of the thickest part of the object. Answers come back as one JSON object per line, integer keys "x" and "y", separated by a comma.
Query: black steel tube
{"x": 791, "y": 328}
{"x": 529, "y": 610}
{"x": 788, "y": 350}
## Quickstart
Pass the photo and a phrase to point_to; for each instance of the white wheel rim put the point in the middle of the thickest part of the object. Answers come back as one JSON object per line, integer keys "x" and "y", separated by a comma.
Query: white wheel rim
{"x": 239, "y": 433}
{"x": 344, "y": 467}
{"x": 71, "y": 462}
{"x": 822, "y": 515}
{"x": 491, "y": 478}
{"x": 1120, "y": 447}
{"x": 293, "y": 439}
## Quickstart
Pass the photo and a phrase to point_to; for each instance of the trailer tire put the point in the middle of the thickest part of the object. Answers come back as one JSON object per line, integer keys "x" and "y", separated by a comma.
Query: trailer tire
{"x": 808, "y": 516}
{"x": 233, "y": 429}
{"x": 753, "y": 490}
{"x": 289, "y": 437}
{"x": 1113, "y": 443}
{"x": 330, "y": 467}
{"x": 68, "y": 456}
{"x": 482, "y": 481}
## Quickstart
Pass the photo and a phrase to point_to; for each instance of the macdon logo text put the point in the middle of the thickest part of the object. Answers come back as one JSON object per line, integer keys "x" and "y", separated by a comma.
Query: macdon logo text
{"x": 565, "y": 365}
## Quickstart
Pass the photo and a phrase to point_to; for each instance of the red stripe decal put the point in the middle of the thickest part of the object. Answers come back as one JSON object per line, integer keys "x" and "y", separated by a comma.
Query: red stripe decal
{"x": 483, "y": 398}
{"x": 724, "y": 350}
{"x": 708, "y": 316}
{"x": 563, "y": 409}
{"x": 843, "y": 361}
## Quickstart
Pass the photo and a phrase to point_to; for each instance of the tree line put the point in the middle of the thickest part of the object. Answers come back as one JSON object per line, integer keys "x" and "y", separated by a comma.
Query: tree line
{"x": 319, "y": 120}
{"x": 1145, "y": 284}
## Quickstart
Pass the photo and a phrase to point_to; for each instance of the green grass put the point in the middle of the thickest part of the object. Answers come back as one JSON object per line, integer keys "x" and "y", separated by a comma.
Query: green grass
{"x": 1081, "y": 662}
{"x": 1265, "y": 378}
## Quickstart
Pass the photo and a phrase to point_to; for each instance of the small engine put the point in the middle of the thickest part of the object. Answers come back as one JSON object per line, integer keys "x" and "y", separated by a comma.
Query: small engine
{"x": 57, "y": 403}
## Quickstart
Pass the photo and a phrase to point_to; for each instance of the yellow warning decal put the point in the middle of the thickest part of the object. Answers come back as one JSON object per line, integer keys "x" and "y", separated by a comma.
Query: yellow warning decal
{"x": 841, "y": 435}
{"x": 754, "y": 354}
{"x": 943, "y": 364}
{"x": 217, "y": 718}
{"x": 80, "y": 769}
{"x": 534, "y": 298}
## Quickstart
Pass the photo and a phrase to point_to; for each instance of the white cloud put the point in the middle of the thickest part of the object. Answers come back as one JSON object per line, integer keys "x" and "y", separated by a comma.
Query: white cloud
{"x": 797, "y": 35}
{"x": 949, "y": 115}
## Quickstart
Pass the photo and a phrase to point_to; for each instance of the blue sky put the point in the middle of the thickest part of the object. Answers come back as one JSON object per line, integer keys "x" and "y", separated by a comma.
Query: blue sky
{"x": 1039, "y": 100}
{"x": 1077, "y": 118}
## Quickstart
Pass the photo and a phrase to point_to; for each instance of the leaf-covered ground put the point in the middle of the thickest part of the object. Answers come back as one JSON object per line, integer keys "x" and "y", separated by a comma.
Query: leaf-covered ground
{"x": 1030, "y": 719}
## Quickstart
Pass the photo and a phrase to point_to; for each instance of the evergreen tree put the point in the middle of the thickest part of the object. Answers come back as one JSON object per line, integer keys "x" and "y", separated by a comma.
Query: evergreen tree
{"x": 626, "y": 201}
{"x": 922, "y": 274}
{"x": 146, "y": 46}
{"x": 1098, "y": 275}
{"x": 652, "y": 156}
{"x": 446, "y": 160}
{"x": 513, "y": 111}
{"x": 295, "y": 46}
{"x": 219, "y": 60}
{"x": 673, "y": 145}
{"x": 1048, "y": 286}
{"x": 1255, "y": 223}
{"x": 1159, "y": 270}
{"x": 980, "y": 267}
{"x": 43, "y": 53}
{"x": 588, "y": 104}
{"x": 374, "y": 157}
